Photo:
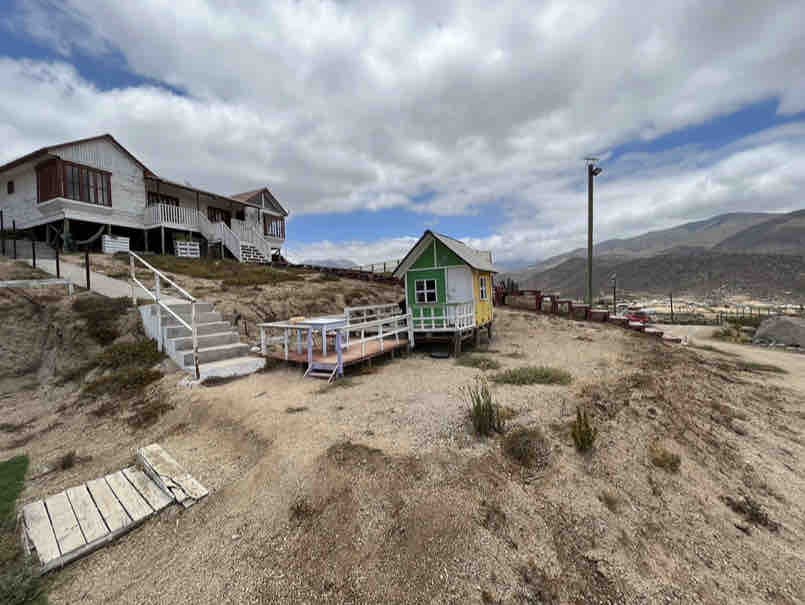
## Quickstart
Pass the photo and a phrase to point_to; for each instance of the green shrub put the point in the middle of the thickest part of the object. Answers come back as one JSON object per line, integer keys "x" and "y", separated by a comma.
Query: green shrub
{"x": 533, "y": 375}
{"x": 142, "y": 353}
{"x": 480, "y": 362}
{"x": 12, "y": 476}
{"x": 101, "y": 315}
{"x": 122, "y": 382}
{"x": 484, "y": 413}
{"x": 528, "y": 447}
{"x": 583, "y": 433}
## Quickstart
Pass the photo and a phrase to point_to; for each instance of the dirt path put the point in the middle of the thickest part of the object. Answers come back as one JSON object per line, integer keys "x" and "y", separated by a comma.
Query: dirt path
{"x": 792, "y": 363}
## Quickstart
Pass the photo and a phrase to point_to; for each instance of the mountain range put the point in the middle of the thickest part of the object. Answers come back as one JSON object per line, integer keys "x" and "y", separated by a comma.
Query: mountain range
{"x": 758, "y": 254}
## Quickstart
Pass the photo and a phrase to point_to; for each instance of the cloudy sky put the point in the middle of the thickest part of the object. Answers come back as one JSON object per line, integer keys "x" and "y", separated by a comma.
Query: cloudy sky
{"x": 372, "y": 121}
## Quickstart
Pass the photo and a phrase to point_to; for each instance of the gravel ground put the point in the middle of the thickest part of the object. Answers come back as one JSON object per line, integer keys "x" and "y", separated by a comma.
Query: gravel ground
{"x": 375, "y": 491}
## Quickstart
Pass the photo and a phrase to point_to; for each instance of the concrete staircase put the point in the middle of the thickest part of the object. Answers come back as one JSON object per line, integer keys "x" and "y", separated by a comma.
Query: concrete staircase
{"x": 220, "y": 352}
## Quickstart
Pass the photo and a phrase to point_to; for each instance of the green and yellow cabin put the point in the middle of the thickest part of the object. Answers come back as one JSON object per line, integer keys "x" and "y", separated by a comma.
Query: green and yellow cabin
{"x": 448, "y": 285}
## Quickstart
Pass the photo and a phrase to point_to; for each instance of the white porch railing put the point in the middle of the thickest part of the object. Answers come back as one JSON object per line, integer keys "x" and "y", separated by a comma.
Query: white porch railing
{"x": 445, "y": 317}
{"x": 229, "y": 239}
{"x": 177, "y": 217}
{"x": 159, "y": 299}
{"x": 190, "y": 219}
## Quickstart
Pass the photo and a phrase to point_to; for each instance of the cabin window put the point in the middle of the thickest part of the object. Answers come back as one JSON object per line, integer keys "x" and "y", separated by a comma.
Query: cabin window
{"x": 483, "y": 287}
{"x": 10, "y": 187}
{"x": 57, "y": 178}
{"x": 273, "y": 226}
{"x": 160, "y": 198}
{"x": 425, "y": 290}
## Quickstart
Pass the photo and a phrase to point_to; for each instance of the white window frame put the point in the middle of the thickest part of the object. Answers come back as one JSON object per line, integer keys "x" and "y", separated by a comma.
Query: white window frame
{"x": 425, "y": 290}
{"x": 483, "y": 287}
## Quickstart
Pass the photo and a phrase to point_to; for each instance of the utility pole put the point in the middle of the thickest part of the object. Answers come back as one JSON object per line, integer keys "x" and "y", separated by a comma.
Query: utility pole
{"x": 614, "y": 293}
{"x": 592, "y": 172}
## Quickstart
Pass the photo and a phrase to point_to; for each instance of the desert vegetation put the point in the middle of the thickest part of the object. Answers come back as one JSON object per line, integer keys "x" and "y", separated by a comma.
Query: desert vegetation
{"x": 533, "y": 375}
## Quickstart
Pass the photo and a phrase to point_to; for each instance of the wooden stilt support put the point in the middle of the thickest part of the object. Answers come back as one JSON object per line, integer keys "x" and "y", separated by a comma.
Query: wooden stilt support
{"x": 456, "y": 343}
{"x": 476, "y": 333}
{"x": 162, "y": 237}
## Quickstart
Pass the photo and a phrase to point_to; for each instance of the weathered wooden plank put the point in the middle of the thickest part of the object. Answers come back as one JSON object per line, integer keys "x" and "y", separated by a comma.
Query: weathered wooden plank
{"x": 169, "y": 475}
{"x": 40, "y": 531}
{"x": 112, "y": 512}
{"x": 87, "y": 513}
{"x": 65, "y": 525}
{"x": 137, "y": 508}
{"x": 149, "y": 490}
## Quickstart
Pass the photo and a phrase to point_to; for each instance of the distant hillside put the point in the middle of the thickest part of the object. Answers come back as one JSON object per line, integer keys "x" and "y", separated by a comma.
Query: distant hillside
{"x": 730, "y": 248}
{"x": 700, "y": 234}
{"x": 780, "y": 235}
{"x": 694, "y": 272}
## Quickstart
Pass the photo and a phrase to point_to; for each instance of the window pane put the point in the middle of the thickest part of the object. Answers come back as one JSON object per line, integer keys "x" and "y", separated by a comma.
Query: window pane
{"x": 420, "y": 297}
{"x": 431, "y": 284}
{"x": 432, "y": 297}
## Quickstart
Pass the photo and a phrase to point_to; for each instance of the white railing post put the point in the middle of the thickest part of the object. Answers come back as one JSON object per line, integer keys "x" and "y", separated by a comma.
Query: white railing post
{"x": 263, "y": 345}
{"x": 133, "y": 286}
{"x": 309, "y": 348}
{"x": 194, "y": 330}
{"x": 380, "y": 332}
{"x": 410, "y": 320}
{"x": 159, "y": 316}
{"x": 338, "y": 352}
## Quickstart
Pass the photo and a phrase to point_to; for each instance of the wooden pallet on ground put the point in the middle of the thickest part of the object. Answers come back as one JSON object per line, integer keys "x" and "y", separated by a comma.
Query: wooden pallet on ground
{"x": 81, "y": 519}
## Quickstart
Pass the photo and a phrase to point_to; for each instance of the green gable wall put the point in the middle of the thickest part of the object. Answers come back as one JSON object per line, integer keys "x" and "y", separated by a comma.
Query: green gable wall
{"x": 425, "y": 259}
{"x": 445, "y": 257}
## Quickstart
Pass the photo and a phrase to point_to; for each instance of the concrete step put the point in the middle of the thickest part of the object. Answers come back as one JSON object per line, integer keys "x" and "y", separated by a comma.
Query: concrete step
{"x": 183, "y": 308}
{"x": 237, "y": 366}
{"x": 178, "y": 331}
{"x": 216, "y": 353}
{"x": 185, "y": 343}
{"x": 203, "y": 317}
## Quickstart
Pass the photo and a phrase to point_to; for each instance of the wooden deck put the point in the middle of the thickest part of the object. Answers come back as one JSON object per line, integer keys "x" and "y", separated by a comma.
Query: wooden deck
{"x": 350, "y": 356}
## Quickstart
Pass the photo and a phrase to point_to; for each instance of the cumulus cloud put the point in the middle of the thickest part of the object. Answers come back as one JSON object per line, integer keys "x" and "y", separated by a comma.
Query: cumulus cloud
{"x": 340, "y": 106}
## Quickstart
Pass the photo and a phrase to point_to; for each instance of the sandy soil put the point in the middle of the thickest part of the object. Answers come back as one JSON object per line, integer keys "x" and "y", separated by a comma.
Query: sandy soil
{"x": 376, "y": 491}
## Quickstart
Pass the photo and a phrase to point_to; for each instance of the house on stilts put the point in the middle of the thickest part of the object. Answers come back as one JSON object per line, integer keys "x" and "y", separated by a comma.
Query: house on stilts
{"x": 448, "y": 289}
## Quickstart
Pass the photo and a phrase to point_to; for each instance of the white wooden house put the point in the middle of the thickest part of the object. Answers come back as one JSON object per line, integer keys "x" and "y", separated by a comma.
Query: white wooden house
{"x": 80, "y": 187}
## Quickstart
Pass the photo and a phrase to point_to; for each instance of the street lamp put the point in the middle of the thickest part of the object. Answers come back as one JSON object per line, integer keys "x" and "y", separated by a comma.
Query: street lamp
{"x": 592, "y": 171}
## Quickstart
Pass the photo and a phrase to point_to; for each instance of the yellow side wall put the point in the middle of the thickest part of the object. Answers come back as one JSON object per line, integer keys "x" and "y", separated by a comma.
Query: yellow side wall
{"x": 483, "y": 308}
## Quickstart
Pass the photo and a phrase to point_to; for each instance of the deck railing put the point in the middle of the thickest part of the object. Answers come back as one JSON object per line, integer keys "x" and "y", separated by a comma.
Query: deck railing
{"x": 190, "y": 219}
{"x": 444, "y": 317}
{"x": 158, "y": 297}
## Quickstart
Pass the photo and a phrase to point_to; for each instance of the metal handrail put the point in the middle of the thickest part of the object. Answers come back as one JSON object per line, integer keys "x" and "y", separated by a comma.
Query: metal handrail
{"x": 156, "y": 295}
{"x": 148, "y": 265}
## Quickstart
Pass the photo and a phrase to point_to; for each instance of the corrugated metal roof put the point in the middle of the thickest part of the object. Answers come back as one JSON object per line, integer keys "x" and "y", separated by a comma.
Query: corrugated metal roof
{"x": 477, "y": 259}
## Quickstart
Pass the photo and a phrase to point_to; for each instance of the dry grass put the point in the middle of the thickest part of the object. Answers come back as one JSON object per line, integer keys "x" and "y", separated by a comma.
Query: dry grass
{"x": 752, "y": 511}
{"x": 480, "y": 362}
{"x": 664, "y": 459}
{"x": 145, "y": 412}
{"x": 533, "y": 375}
{"x": 125, "y": 381}
{"x": 528, "y": 447}
{"x": 101, "y": 315}
{"x": 232, "y": 273}
{"x": 142, "y": 353}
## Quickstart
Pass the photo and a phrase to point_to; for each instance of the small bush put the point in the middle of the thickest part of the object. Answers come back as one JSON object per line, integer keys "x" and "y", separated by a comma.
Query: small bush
{"x": 101, "y": 315}
{"x": 67, "y": 460}
{"x": 20, "y": 584}
{"x": 123, "y": 381}
{"x": 148, "y": 411}
{"x": 528, "y": 447}
{"x": 12, "y": 476}
{"x": 295, "y": 409}
{"x": 533, "y": 375}
{"x": 327, "y": 277}
{"x": 484, "y": 413}
{"x": 301, "y": 509}
{"x": 142, "y": 353}
{"x": 611, "y": 500}
{"x": 75, "y": 374}
{"x": 662, "y": 458}
{"x": 583, "y": 433}
{"x": 480, "y": 362}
